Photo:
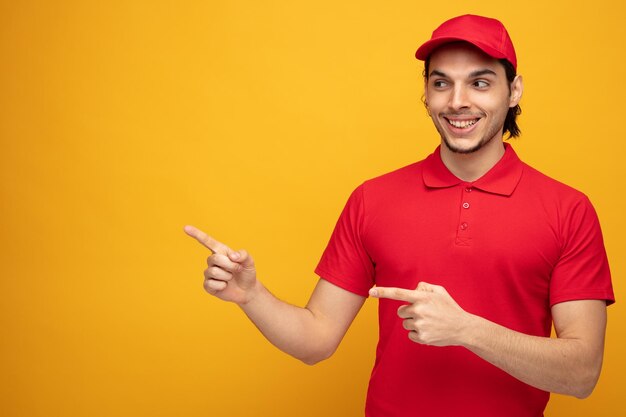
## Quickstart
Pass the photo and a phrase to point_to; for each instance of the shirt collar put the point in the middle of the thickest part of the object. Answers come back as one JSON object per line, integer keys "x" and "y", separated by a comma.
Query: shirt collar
{"x": 501, "y": 179}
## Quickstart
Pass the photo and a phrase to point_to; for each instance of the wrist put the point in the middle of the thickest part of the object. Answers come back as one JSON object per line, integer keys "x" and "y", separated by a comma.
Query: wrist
{"x": 470, "y": 330}
{"x": 252, "y": 293}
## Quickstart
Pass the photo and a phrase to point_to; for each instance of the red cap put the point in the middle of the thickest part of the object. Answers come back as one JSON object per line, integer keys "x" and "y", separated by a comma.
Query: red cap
{"x": 489, "y": 35}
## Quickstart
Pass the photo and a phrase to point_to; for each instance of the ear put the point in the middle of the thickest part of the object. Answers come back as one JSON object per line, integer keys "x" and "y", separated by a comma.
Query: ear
{"x": 425, "y": 85}
{"x": 425, "y": 95}
{"x": 517, "y": 88}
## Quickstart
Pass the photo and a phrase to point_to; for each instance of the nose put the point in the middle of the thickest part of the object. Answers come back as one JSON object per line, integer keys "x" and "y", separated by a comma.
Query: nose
{"x": 459, "y": 98}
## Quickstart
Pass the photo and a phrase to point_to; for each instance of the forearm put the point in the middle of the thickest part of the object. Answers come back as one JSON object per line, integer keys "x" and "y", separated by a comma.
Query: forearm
{"x": 569, "y": 364}
{"x": 296, "y": 331}
{"x": 560, "y": 365}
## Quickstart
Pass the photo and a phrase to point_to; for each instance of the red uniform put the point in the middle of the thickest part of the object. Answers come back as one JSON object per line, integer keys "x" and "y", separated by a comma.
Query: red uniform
{"x": 506, "y": 247}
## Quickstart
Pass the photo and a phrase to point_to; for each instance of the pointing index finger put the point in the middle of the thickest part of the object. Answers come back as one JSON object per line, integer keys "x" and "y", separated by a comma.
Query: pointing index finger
{"x": 399, "y": 294}
{"x": 207, "y": 241}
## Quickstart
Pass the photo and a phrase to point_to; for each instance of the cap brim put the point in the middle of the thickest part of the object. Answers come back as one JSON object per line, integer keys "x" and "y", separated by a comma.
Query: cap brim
{"x": 428, "y": 47}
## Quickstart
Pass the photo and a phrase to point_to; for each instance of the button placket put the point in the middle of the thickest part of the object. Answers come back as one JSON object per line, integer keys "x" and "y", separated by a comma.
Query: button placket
{"x": 463, "y": 235}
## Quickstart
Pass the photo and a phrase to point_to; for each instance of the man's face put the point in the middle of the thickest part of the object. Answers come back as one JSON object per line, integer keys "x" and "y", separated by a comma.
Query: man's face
{"x": 468, "y": 96}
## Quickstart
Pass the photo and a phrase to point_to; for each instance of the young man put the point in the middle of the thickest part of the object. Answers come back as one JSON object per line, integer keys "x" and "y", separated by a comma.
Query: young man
{"x": 472, "y": 253}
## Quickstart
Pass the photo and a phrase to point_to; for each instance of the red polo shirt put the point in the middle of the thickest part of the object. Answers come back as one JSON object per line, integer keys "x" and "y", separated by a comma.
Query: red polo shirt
{"x": 506, "y": 247}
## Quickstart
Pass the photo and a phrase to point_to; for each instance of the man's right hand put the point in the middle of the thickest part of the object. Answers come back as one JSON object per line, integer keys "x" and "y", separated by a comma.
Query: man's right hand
{"x": 230, "y": 275}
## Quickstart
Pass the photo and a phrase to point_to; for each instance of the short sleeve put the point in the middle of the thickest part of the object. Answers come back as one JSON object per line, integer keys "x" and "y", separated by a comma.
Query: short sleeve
{"x": 345, "y": 261}
{"x": 582, "y": 271}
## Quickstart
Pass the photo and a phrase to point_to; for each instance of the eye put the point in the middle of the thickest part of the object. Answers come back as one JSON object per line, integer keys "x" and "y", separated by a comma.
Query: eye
{"x": 439, "y": 83}
{"x": 481, "y": 84}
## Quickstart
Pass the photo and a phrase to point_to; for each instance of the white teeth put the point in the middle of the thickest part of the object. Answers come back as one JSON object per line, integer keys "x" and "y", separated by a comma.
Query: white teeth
{"x": 462, "y": 124}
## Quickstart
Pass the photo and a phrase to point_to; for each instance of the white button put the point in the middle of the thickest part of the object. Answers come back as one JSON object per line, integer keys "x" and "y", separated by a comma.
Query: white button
{"x": 465, "y": 205}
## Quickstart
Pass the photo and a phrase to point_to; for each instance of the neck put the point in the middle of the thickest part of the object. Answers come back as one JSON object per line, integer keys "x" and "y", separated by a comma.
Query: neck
{"x": 470, "y": 167}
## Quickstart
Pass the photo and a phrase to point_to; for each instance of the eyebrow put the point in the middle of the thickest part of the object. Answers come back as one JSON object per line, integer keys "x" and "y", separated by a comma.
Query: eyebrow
{"x": 437, "y": 73}
{"x": 474, "y": 74}
{"x": 482, "y": 72}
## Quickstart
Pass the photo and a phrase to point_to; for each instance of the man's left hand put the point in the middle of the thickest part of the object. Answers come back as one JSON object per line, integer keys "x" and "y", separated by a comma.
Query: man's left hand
{"x": 432, "y": 317}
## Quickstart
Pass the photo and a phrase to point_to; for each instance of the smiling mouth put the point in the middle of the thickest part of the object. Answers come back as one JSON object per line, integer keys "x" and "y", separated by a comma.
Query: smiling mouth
{"x": 462, "y": 124}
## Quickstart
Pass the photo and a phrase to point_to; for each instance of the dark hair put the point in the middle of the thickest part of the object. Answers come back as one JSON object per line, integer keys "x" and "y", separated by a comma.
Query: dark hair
{"x": 510, "y": 125}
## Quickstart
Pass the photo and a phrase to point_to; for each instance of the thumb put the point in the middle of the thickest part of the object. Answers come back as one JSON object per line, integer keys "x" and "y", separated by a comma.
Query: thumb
{"x": 425, "y": 286}
{"x": 242, "y": 257}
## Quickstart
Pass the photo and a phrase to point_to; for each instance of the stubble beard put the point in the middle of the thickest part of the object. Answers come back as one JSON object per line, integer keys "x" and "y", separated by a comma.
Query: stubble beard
{"x": 488, "y": 137}
{"x": 473, "y": 149}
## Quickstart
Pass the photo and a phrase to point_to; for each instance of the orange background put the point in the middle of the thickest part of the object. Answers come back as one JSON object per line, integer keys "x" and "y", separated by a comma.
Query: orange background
{"x": 122, "y": 121}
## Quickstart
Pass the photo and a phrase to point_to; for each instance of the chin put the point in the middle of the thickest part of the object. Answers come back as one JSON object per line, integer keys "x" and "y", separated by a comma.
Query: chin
{"x": 471, "y": 148}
